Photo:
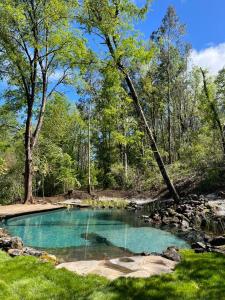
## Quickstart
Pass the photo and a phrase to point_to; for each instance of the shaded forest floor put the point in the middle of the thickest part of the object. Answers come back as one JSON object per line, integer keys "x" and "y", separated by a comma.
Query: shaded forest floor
{"x": 196, "y": 184}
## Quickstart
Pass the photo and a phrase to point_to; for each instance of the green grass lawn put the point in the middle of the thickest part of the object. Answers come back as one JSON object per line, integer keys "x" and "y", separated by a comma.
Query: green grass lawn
{"x": 199, "y": 276}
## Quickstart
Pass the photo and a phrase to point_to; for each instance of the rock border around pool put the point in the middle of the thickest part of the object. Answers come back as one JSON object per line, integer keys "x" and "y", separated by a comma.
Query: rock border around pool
{"x": 14, "y": 246}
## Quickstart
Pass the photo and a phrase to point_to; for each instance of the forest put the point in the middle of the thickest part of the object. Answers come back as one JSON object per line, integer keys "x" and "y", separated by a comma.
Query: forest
{"x": 87, "y": 103}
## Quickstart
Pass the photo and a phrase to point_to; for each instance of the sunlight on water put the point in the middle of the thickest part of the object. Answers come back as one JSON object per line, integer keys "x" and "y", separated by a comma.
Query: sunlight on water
{"x": 85, "y": 230}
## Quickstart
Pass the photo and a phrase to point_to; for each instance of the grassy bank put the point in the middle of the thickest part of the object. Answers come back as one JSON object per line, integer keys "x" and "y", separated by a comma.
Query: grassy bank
{"x": 199, "y": 276}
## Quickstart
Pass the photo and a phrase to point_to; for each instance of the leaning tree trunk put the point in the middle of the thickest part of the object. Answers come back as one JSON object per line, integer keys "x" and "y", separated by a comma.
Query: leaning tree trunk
{"x": 153, "y": 145}
{"x": 141, "y": 114}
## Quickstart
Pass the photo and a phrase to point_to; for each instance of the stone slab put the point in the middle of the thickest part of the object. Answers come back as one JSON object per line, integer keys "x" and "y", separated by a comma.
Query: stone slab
{"x": 135, "y": 266}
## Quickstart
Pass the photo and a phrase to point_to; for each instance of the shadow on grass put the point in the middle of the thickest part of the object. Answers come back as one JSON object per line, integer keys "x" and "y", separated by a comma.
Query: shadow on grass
{"x": 199, "y": 276}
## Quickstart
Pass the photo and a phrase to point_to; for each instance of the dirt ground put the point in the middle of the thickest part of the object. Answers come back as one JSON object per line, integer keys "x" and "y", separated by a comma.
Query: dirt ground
{"x": 81, "y": 194}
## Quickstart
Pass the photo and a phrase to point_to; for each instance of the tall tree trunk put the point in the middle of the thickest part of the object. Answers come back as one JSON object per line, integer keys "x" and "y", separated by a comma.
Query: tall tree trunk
{"x": 28, "y": 172}
{"x": 141, "y": 114}
{"x": 89, "y": 149}
{"x": 169, "y": 120}
{"x": 125, "y": 163}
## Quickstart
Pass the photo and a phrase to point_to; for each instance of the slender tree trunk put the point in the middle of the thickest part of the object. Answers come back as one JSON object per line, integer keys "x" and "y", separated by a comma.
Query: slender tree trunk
{"x": 89, "y": 149}
{"x": 125, "y": 163}
{"x": 169, "y": 121}
{"x": 28, "y": 172}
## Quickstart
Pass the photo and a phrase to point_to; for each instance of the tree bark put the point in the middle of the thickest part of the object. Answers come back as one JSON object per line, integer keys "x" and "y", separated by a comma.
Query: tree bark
{"x": 28, "y": 172}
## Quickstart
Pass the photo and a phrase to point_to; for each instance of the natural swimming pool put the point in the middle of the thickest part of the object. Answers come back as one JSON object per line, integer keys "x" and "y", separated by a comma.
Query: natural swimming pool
{"x": 91, "y": 234}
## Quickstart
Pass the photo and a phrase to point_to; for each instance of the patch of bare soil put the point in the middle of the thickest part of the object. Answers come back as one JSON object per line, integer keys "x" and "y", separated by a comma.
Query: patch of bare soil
{"x": 81, "y": 194}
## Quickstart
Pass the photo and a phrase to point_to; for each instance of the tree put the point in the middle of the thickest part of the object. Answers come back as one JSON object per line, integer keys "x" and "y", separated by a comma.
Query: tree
{"x": 171, "y": 62}
{"x": 213, "y": 104}
{"x": 38, "y": 48}
{"x": 109, "y": 20}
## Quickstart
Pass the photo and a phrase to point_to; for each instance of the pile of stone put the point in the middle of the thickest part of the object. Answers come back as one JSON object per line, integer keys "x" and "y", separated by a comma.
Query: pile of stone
{"x": 215, "y": 244}
{"x": 14, "y": 247}
{"x": 192, "y": 212}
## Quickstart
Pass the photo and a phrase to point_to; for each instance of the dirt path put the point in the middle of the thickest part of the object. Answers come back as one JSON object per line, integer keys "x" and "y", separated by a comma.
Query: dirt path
{"x": 14, "y": 210}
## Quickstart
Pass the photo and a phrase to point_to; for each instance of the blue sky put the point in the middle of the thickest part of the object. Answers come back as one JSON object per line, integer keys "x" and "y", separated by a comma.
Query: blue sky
{"x": 205, "y": 24}
{"x": 205, "y": 20}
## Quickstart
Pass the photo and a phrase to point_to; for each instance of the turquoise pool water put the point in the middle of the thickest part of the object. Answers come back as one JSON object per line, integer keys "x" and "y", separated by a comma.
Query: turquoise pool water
{"x": 91, "y": 234}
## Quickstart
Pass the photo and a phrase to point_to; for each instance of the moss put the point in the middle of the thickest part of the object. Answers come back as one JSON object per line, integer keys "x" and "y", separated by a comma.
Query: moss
{"x": 198, "y": 276}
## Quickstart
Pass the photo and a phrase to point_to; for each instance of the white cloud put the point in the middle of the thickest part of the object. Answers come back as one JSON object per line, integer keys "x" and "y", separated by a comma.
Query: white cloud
{"x": 212, "y": 58}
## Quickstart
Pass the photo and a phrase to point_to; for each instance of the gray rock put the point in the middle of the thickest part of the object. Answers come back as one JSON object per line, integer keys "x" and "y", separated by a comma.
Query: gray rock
{"x": 3, "y": 233}
{"x": 198, "y": 245}
{"x": 157, "y": 218}
{"x": 32, "y": 252}
{"x": 172, "y": 254}
{"x": 175, "y": 220}
{"x": 217, "y": 241}
{"x": 17, "y": 243}
{"x": 15, "y": 252}
{"x": 221, "y": 194}
{"x": 166, "y": 221}
{"x": 5, "y": 243}
{"x": 171, "y": 212}
{"x": 184, "y": 224}
{"x": 193, "y": 197}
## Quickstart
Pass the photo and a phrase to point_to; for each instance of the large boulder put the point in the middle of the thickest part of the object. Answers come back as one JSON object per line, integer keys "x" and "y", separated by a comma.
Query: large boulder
{"x": 5, "y": 243}
{"x": 172, "y": 254}
{"x": 15, "y": 252}
{"x": 17, "y": 243}
{"x": 8, "y": 242}
{"x": 3, "y": 233}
